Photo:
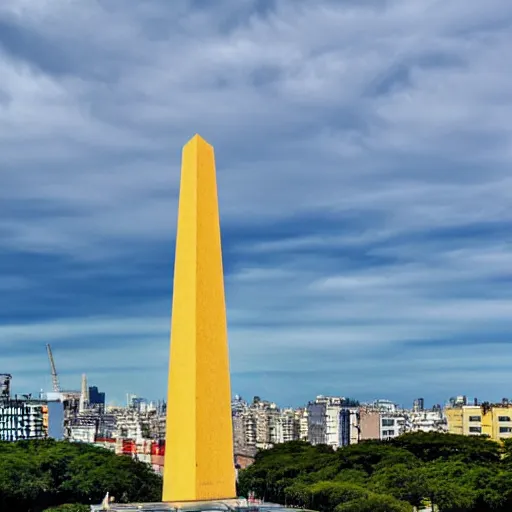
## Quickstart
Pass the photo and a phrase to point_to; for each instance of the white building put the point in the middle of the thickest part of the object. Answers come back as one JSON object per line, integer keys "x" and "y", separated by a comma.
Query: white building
{"x": 426, "y": 421}
{"x": 22, "y": 419}
{"x": 324, "y": 423}
{"x": 303, "y": 424}
{"x": 391, "y": 424}
{"x": 83, "y": 433}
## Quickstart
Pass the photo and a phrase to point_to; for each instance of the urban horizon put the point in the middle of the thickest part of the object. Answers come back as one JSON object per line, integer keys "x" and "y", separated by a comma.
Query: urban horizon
{"x": 119, "y": 402}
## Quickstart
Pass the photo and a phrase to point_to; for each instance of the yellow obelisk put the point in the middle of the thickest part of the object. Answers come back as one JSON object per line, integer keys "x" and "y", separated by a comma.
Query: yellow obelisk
{"x": 199, "y": 463}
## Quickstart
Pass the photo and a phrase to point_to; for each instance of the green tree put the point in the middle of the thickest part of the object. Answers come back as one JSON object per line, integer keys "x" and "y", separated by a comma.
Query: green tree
{"x": 444, "y": 484}
{"x": 374, "y": 503}
{"x": 68, "y": 507}
{"x": 37, "y": 475}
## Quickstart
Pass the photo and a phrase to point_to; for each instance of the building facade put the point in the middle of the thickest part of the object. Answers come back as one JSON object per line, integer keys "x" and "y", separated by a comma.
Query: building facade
{"x": 492, "y": 420}
{"x": 22, "y": 419}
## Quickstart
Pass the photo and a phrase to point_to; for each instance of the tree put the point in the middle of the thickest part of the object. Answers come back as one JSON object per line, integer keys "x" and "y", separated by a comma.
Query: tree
{"x": 454, "y": 473}
{"x": 37, "y": 475}
{"x": 76, "y": 507}
{"x": 374, "y": 503}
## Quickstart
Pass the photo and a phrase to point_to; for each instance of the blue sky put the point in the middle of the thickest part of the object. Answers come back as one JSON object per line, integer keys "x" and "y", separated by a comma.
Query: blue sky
{"x": 363, "y": 150}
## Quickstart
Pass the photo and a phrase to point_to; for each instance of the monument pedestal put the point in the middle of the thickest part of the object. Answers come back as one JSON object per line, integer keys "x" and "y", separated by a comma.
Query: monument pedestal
{"x": 199, "y": 506}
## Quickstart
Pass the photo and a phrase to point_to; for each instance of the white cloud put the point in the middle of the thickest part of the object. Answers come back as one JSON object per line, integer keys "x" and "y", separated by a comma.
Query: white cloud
{"x": 393, "y": 120}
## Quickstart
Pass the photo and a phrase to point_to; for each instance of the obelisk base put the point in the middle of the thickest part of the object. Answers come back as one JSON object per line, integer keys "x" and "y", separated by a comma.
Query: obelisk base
{"x": 184, "y": 506}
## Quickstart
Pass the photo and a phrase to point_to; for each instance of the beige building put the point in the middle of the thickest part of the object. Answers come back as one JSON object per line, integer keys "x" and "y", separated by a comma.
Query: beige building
{"x": 369, "y": 424}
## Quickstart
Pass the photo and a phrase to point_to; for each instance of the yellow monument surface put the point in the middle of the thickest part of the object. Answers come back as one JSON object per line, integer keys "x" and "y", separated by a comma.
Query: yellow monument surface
{"x": 199, "y": 463}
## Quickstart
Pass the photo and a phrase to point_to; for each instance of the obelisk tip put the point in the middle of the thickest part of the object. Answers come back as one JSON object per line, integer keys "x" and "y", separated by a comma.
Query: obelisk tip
{"x": 197, "y": 139}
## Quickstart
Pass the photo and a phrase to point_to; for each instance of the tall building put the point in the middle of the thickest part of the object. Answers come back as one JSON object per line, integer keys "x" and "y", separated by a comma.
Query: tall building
{"x": 5, "y": 386}
{"x": 418, "y": 405}
{"x": 324, "y": 425}
{"x": 290, "y": 420}
{"x": 20, "y": 419}
{"x": 302, "y": 415}
{"x": 349, "y": 426}
{"x": 30, "y": 419}
{"x": 96, "y": 398}
{"x": 53, "y": 419}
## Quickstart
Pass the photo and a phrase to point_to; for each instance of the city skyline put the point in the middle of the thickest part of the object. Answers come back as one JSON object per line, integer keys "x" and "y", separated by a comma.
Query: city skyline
{"x": 131, "y": 394}
{"x": 363, "y": 154}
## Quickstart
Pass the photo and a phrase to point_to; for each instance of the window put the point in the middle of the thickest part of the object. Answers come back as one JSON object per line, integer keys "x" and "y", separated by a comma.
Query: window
{"x": 386, "y": 422}
{"x": 475, "y": 430}
{"x": 388, "y": 433}
{"x": 475, "y": 418}
{"x": 503, "y": 418}
{"x": 505, "y": 430}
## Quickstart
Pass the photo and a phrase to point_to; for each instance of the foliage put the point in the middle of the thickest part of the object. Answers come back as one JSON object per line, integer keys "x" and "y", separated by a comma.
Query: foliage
{"x": 37, "y": 475}
{"x": 374, "y": 503}
{"x": 69, "y": 507}
{"x": 453, "y": 473}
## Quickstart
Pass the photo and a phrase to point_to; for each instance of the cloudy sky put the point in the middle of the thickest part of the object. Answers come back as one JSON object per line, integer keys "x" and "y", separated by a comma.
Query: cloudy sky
{"x": 364, "y": 153}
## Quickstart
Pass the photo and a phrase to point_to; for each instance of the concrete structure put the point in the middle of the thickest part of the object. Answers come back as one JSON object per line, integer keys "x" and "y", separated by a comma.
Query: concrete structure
{"x": 392, "y": 424}
{"x": 53, "y": 419}
{"x": 492, "y": 420}
{"x": 324, "y": 415}
{"x": 30, "y": 419}
{"x": 369, "y": 424}
{"x": 349, "y": 426}
{"x": 303, "y": 424}
{"x": 199, "y": 458}
{"x": 426, "y": 421}
{"x": 96, "y": 398}
{"x": 5, "y": 386}
{"x": 384, "y": 405}
{"x": 21, "y": 419}
{"x": 418, "y": 405}
{"x": 262, "y": 424}
{"x": 290, "y": 421}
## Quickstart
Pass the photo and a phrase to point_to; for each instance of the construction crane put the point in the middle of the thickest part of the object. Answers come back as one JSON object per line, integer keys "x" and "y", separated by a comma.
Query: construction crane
{"x": 55, "y": 378}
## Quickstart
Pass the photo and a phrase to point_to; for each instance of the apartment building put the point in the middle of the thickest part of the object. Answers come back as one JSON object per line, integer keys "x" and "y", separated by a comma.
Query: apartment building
{"x": 426, "y": 421}
{"x": 349, "y": 426}
{"x": 302, "y": 416}
{"x": 262, "y": 424}
{"x": 30, "y": 419}
{"x": 325, "y": 421}
{"x": 290, "y": 421}
{"x": 492, "y": 420}
{"x": 391, "y": 425}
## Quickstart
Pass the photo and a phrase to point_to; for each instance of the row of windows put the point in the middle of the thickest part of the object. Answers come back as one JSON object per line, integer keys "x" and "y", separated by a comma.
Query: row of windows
{"x": 478, "y": 430}
{"x": 479, "y": 418}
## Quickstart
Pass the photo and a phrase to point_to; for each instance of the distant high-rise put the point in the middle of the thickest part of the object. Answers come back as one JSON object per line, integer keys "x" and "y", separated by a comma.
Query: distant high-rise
{"x": 418, "y": 405}
{"x": 96, "y": 398}
{"x": 5, "y": 386}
